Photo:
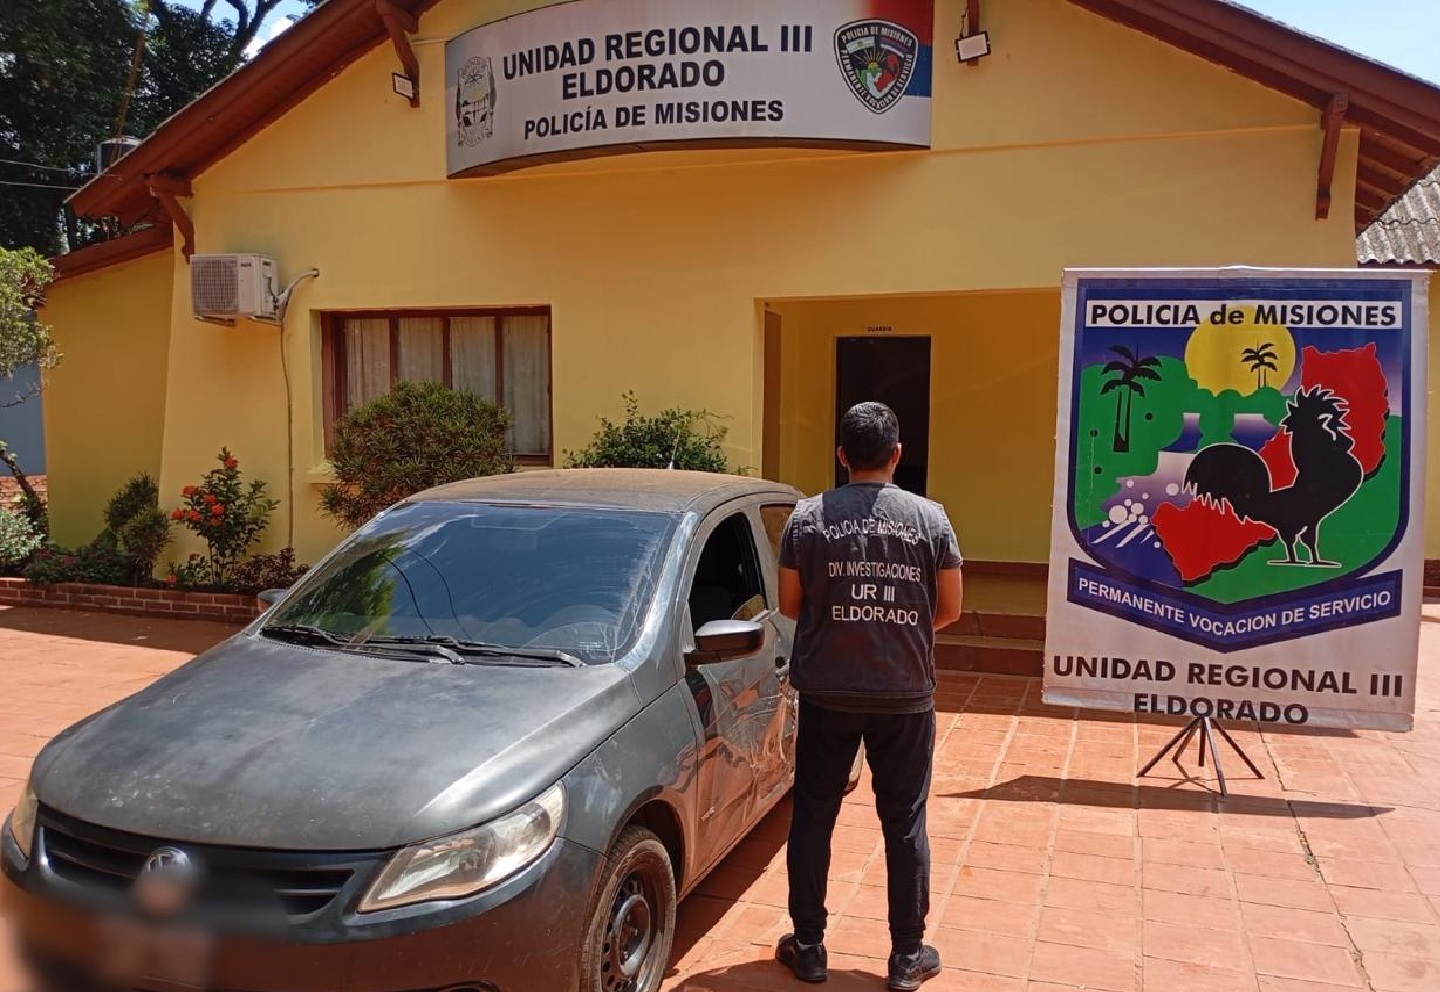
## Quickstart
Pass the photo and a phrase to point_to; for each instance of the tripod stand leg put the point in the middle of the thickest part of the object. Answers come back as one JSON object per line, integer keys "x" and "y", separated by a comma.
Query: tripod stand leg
{"x": 1239, "y": 750}
{"x": 1204, "y": 741}
{"x": 1179, "y": 751}
{"x": 1179, "y": 739}
{"x": 1206, "y": 737}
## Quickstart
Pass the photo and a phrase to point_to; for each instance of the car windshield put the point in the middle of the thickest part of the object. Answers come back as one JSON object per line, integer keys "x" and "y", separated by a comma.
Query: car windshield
{"x": 563, "y": 579}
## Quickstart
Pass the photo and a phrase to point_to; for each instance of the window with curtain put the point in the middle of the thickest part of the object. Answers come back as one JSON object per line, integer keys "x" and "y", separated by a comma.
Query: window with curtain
{"x": 503, "y": 356}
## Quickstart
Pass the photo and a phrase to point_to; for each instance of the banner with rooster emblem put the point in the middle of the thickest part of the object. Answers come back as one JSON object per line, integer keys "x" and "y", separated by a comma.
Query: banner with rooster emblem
{"x": 1239, "y": 495}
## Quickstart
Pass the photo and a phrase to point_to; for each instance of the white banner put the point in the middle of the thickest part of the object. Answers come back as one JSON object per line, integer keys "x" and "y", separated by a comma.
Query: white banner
{"x": 593, "y": 77}
{"x": 1240, "y": 495}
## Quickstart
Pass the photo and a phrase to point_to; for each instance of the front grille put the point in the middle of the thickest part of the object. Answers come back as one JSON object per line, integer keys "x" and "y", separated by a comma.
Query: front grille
{"x": 298, "y": 884}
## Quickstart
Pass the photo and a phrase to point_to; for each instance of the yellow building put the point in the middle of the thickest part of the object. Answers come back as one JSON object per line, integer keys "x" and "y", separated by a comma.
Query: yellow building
{"x": 766, "y": 270}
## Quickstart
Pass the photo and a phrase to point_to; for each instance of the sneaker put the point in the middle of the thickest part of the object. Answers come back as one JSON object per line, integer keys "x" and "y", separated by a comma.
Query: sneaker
{"x": 809, "y": 964}
{"x": 908, "y": 971}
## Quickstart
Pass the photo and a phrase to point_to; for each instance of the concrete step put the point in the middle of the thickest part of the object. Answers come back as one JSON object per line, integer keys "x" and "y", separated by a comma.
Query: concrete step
{"x": 990, "y": 655}
{"x": 1011, "y": 625}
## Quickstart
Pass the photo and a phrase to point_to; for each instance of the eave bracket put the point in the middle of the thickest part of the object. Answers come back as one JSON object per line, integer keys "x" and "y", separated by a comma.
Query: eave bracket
{"x": 1330, "y": 122}
{"x": 167, "y": 190}
{"x": 400, "y": 24}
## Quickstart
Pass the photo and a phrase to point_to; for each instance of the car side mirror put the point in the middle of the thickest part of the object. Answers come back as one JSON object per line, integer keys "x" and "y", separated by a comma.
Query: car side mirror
{"x": 720, "y": 640}
{"x": 270, "y": 596}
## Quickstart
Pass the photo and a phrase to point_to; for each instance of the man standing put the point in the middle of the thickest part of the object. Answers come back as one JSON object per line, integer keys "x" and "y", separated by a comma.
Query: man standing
{"x": 870, "y": 572}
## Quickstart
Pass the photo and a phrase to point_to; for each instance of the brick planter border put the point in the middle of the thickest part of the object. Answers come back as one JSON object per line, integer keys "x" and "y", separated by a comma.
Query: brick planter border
{"x": 171, "y": 603}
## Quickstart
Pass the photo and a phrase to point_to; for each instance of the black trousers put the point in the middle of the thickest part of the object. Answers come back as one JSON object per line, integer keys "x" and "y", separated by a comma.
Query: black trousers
{"x": 900, "y": 749}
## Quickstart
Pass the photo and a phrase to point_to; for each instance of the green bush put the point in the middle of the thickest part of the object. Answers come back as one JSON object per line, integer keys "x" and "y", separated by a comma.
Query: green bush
{"x": 100, "y": 562}
{"x": 419, "y": 436}
{"x": 140, "y": 529}
{"x": 692, "y": 438}
{"x": 18, "y": 539}
{"x": 138, "y": 494}
{"x": 143, "y": 539}
{"x": 261, "y": 572}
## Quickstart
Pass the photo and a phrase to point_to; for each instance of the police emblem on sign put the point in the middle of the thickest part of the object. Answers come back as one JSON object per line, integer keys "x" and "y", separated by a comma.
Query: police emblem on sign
{"x": 475, "y": 101}
{"x": 877, "y": 59}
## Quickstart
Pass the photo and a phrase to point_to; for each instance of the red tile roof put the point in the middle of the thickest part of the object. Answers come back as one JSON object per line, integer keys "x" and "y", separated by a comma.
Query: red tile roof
{"x": 1409, "y": 232}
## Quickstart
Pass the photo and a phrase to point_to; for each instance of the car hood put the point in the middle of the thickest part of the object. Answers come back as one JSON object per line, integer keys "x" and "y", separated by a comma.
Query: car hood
{"x": 269, "y": 745}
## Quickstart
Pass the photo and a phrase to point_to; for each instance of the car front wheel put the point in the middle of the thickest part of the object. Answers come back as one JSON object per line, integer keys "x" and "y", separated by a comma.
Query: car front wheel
{"x": 632, "y": 927}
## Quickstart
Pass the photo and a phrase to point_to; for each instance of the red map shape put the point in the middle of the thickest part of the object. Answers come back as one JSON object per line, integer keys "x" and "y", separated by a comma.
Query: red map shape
{"x": 1201, "y": 538}
{"x": 1354, "y": 374}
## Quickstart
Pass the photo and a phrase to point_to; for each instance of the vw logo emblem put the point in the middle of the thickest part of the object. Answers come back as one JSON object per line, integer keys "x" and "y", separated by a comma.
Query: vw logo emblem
{"x": 167, "y": 859}
{"x": 167, "y": 882}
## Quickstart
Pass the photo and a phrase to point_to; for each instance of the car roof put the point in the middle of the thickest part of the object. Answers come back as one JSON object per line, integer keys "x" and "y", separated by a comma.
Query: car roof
{"x": 665, "y": 490}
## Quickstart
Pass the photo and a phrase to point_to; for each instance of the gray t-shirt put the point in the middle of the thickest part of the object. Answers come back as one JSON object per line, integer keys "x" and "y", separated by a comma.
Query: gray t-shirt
{"x": 868, "y": 557}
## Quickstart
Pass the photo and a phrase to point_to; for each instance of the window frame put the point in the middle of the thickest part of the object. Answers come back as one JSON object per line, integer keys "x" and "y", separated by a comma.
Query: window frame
{"x": 751, "y": 563}
{"x": 333, "y": 366}
{"x": 776, "y": 537}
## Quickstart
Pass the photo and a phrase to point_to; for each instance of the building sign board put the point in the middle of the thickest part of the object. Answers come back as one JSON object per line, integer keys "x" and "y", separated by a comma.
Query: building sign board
{"x": 1239, "y": 495}
{"x": 593, "y": 77}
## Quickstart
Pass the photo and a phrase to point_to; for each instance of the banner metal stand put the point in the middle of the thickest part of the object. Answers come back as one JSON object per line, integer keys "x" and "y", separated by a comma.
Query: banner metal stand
{"x": 1206, "y": 728}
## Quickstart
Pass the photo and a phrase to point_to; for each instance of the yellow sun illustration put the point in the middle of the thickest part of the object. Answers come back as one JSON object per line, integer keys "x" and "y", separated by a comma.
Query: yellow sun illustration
{"x": 1245, "y": 357}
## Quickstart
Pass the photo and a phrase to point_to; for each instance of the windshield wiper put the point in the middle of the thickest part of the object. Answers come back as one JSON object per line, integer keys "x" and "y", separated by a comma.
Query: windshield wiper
{"x": 464, "y": 651}
{"x": 300, "y": 633}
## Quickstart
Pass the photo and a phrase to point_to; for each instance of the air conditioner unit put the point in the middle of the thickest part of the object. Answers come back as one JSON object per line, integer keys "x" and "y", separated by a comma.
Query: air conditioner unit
{"x": 234, "y": 286}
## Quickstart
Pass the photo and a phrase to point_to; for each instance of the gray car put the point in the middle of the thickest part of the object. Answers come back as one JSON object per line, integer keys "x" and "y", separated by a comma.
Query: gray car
{"x": 486, "y": 744}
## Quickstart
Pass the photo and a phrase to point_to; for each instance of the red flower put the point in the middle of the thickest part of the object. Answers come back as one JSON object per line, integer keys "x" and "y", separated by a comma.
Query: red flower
{"x": 194, "y": 515}
{"x": 217, "y": 509}
{"x": 178, "y": 515}
{"x": 170, "y": 580}
{"x": 210, "y": 498}
{"x": 188, "y": 491}
{"x": 231, "y": 463}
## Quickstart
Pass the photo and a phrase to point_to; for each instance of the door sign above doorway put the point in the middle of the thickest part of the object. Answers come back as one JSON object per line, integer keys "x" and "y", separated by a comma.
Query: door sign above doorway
{"x": 1239, "y": 496}
{"x": 597, "y": 77}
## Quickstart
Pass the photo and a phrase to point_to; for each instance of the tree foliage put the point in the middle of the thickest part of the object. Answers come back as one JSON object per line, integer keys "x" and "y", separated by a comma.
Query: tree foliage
{"x": 64, "y": 69}
{"x": 25, "y": 339}
{"x": 420, "y": 435}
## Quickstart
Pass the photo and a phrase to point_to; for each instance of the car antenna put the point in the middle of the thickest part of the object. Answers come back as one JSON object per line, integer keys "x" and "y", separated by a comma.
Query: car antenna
{"x": 674, "y": 451}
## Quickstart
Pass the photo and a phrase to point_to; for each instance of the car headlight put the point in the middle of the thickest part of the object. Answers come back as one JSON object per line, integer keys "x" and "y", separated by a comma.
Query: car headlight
{"x": 466, "y": 863}
{"x": 22, "y": 821}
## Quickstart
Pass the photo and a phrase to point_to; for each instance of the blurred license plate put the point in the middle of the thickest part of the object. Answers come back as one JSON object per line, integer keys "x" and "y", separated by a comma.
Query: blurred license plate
{"x": 136, "y": 954}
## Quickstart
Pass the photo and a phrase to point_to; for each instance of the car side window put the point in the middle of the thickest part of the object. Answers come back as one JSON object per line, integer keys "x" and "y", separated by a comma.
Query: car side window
{"x": 728, "y": 583}
{"x": 775, "y": 517}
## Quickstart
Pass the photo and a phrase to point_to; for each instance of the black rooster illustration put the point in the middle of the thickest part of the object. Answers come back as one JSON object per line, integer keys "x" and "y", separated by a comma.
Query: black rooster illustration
{"x": 1327, "y": 474}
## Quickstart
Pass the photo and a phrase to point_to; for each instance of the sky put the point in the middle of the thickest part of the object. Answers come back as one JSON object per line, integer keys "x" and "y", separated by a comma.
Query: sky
{"x": 1401, "y": 33}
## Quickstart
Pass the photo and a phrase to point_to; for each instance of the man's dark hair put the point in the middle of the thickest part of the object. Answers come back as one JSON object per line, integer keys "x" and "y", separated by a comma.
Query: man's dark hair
{"x": 869, "y": 433}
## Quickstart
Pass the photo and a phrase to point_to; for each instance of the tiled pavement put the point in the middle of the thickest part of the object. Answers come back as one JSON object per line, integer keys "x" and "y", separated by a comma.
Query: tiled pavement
{"x": 1054, "y": 867}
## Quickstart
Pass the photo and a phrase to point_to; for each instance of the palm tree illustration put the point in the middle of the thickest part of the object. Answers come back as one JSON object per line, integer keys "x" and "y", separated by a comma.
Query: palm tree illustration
{"x": 1126, "y": 373}
{"x": 1261, "y": 359}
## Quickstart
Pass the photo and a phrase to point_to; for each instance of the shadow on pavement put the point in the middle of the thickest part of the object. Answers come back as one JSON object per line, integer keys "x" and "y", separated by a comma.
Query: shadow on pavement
{"x": 162, "y": 634}
{"x": 1115, "y": 795}
{"x": 770, "y": 976}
